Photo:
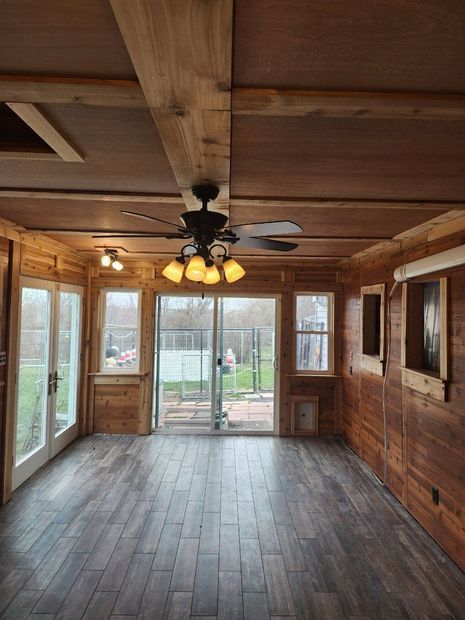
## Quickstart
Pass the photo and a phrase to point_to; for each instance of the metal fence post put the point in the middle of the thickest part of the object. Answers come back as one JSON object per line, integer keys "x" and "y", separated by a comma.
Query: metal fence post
{"x": 259, "y": 359}
{"x": 254, "y": 359}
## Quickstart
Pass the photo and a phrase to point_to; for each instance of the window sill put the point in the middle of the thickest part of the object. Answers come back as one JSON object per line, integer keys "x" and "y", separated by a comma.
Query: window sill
{"x": 313, "y": 375}
{"x": 372, "y": 363}
{"x": 426, "y": 384}
{"x": 116, "y": 378}
{"x": 115, "y": 373}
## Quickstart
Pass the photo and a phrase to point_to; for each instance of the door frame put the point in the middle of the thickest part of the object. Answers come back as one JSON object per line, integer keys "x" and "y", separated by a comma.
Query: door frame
{"x": 53, "y": 444}
{"x": 276, "y": 393}
{"x": 71, "y": 432}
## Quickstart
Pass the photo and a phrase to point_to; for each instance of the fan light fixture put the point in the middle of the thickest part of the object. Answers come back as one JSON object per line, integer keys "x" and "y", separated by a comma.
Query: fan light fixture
{"x": 201, "y": 266}
{"x": 110, "y": 257}
{"x": 174, "y": 271}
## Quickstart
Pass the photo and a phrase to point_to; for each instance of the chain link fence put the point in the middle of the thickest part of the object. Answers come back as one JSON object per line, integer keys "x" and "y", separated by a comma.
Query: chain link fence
{"x": 184, "y": 358}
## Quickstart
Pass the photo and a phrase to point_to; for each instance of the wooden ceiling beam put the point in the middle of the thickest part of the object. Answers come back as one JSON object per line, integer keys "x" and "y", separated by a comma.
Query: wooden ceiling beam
{"x": 46, "y": 194}
{"x": 306, "y": 203}
{"x": 346, "y": 203}
{"x": 92, "y": 92}
{"x": 245, "y": 101}
{"x": 334, "y": 104}
{"x": 121, "y": 234}
{"x": 38, "y": 122}
{"x": 182, "y": 54}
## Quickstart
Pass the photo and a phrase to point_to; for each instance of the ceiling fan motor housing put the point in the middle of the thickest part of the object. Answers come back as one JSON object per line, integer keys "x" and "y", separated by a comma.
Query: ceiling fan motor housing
{"x": 204, "y": 221}
{"x": 204, "y": 224}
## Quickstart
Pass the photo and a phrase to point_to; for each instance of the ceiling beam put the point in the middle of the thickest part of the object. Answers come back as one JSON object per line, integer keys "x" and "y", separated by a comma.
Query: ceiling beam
{"x": 122, "y": 234}
{"x": 46, "y": 194}
{"x": 4, "y": 154}
{"x": 36, "y": 120}
{"x": 182, "y": 54}
{"x": 307, "y": 203}
{"x": 441, "y": 226}
{"x": 346, "y": 203}
{"x": 245, "y": 101}
{"x": 93, "y": 92}
{"x": 334, "y": 104}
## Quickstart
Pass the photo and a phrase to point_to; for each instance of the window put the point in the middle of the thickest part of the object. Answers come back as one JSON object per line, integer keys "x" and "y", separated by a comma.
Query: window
{"x": 372, "y": 328}
{"x": 424, "y": 342}
{"x": 120, "y": 338}
{"x": 314, "y": 332}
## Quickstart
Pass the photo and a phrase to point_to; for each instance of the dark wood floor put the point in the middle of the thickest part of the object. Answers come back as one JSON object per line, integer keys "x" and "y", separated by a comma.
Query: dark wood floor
{"x": 228, "y": 527}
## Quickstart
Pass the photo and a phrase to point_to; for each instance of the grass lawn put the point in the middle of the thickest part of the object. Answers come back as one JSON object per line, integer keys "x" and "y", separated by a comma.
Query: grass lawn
{"x": 32, "y": 394}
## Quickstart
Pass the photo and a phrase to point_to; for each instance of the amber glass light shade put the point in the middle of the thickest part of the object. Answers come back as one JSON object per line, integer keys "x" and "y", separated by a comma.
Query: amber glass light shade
{"x": 174, "y": 271}
{"x": 213, "y": 275}
{"x": 232, "y": 270}
{"x": 196, "y": 270}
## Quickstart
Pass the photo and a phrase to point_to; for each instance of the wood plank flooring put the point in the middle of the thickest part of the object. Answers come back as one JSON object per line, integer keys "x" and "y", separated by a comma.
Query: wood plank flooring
{"x": 176, "y": 527}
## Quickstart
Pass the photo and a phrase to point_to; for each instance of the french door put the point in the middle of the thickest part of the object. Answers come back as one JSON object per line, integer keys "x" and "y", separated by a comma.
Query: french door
{"x": 216, "y": 364}
{"x": 47, "y": 373}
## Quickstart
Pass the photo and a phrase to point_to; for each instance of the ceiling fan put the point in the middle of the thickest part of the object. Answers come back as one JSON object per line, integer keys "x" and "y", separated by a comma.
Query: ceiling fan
{"x": 207, "y": 227}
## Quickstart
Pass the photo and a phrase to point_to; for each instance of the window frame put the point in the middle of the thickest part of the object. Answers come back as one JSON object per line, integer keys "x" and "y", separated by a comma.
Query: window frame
{"x": 330, "y": 332}
{"x": 370, "y": 361}
{"x": 119, "y": 371}
{"x": 419, "y": 379}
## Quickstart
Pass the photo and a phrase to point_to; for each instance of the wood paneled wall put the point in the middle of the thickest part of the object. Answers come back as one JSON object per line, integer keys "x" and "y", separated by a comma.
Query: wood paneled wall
{"x": 105, "y": 415}
{"x": 425, "y": 437}
{"x": 4, "y": 314}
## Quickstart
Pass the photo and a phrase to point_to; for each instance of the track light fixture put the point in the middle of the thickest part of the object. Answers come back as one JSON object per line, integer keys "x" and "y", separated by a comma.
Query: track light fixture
{"x": 110, "y": 257}
{"x": 201, "y": 265}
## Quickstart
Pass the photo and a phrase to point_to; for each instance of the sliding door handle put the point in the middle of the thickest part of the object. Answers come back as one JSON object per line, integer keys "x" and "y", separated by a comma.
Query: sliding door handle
{"x": 276, "y": 363}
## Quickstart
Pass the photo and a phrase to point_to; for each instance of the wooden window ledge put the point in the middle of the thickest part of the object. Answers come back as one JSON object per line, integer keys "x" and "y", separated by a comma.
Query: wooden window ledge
{"x": 116, "y": 373}
{"x": 424, "y": 383}
{"x": 372, "y": 363}
{"x": 116, "y": 378}
{"x": 313, "y": 376}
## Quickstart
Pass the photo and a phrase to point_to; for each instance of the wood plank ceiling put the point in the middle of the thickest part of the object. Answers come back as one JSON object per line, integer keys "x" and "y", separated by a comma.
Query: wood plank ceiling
{"x": 346, "y": 118}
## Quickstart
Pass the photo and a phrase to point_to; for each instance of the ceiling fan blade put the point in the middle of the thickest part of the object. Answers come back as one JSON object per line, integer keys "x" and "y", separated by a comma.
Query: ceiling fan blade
{"x": 266, "y": 229}
{"x": 151, "y": 218}
{"x": 266, "y": 244}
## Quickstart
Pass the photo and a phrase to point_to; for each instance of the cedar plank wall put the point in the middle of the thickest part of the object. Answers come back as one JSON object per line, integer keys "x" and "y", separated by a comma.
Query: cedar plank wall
{"x": 111, "y": 411}
{"x": 431, "y": 451}
{"x": 4, "y": 286}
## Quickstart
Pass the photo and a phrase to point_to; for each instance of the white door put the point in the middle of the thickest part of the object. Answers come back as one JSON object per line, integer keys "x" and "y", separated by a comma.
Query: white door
{"x": 47, "y": 375}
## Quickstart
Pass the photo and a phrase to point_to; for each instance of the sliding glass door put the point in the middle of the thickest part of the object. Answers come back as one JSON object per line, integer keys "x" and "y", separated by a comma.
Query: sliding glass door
{"x": 246, "y": 368}
{"x": 47, "y": 376}
{"x": 215, "y": 364}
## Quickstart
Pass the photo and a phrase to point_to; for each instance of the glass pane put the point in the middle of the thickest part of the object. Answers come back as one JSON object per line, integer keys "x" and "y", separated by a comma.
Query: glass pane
{"x": 246, "y": 351}
{"x": 431, "y": 326}
{"x": 33, "y": 372}
{"x": 67, "y": 365}
{"x": 312, "y": 312}
{"x": 312, "y": 352}
{"x": 121, "y": 330}
{"x": 183, "y": 387}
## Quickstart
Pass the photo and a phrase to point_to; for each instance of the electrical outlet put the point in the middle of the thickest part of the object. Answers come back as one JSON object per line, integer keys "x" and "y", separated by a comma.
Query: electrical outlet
{"x": 435, "y": 495}
{"x": 2, "y": 358}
